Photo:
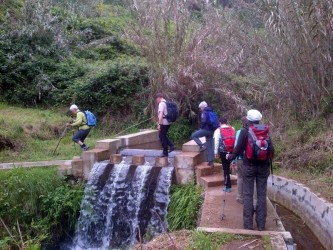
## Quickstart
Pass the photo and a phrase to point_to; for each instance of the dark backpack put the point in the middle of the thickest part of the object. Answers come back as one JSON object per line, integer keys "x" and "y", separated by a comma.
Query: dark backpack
{"x": 172, "y": 110}
{"x": 259, "y": 144}
{"x": 227, "y": 140}
{"x": 91, "y": 118}
{"x": 212, "y": 120}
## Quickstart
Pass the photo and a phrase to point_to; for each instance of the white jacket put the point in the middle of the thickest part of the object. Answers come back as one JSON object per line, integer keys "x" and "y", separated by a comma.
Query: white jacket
{"x": 217, "y": 137}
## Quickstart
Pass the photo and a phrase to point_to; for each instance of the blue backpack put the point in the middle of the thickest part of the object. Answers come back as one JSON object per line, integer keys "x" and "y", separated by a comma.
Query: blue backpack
{"x": 212, "y": 120}
{"x": 172, "y": 110}
{"x": 91, "y": 118}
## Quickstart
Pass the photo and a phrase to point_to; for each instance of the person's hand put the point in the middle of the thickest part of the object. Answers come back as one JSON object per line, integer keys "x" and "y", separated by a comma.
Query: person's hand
{"x": 227, "y": 156}
{"x": 158, "y": 127}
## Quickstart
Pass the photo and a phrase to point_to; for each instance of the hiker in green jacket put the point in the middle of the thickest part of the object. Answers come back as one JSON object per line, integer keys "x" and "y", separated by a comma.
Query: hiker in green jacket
{"x": 80, "y": 122}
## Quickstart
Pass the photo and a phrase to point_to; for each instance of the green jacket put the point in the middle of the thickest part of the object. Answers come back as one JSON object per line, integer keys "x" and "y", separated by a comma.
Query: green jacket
{"x": 80, "y": 121}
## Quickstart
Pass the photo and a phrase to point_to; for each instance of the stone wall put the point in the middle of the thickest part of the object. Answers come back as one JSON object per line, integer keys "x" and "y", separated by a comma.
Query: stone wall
{"x": 314, "y": 210}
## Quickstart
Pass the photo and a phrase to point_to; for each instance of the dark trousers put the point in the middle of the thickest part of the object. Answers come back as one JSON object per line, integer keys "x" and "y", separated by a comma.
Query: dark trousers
{"x": 258, "y": 174}
{"x": 226, "y": 169}
{"x": 165, "y": 141}
{"x": 81, "y": 135}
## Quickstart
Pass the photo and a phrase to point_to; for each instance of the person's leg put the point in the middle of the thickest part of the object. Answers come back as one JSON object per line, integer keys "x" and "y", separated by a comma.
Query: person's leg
{"x": 163, "y": 138}
{"x": 226, "y": 170}
{"x": 248, "y": 182}
{"x": 261, "y": 209}
{"x": 80, "y": 136}
{"x": 239, "y": 196}
{"x": 200, "y": 133}
{"x": 209, "y": 145}
{"x": 169, "y": 142}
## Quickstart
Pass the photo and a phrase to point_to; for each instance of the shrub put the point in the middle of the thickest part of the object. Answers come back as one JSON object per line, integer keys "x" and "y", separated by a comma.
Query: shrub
{"x": 184, "y": 206}
{"x": 37, "y": 205}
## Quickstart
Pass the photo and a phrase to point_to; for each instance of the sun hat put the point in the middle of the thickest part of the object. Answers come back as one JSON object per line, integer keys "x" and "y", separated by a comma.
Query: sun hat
{"x": 203, "y": 105}
{"x": 72, "y": 107}
{"x": 253, "y": 115}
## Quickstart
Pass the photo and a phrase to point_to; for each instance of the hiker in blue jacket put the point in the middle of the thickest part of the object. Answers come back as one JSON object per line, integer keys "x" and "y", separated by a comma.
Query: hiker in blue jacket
{"x": 205, "y": 131}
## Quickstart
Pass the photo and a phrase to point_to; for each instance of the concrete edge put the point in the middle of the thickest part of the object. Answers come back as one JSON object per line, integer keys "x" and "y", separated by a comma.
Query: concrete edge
{"x": 12, "y": 165}
{"x": 316, "y": 211}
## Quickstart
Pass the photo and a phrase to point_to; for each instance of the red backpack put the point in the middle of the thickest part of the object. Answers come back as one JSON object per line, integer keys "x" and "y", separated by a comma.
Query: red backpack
{"x": 227, "y": 140}
{"x": 259, "y": 144}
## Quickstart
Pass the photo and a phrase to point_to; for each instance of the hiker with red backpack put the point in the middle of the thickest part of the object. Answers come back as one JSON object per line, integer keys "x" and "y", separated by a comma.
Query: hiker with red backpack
{"x": 257, "y": 144}
{"x": 224, "y": 138}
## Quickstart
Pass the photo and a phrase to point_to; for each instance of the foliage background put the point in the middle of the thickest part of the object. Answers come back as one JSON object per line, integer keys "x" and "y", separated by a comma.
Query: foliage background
{"x": 112, "y": 57}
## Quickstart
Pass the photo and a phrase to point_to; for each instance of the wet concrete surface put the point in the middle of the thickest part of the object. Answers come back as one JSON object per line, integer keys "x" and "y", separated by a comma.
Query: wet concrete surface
{"x": 212, "y": 210}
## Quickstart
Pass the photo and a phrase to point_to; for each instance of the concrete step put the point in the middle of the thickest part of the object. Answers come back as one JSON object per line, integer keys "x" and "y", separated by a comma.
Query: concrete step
{"x": 65, "y": 169}
{"x": 215, "y": 180}
{"x": 203, "y": 169}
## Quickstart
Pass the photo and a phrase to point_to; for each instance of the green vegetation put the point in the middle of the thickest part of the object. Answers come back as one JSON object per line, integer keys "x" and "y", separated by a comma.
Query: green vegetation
{"x": 213, "y": 241}
{"x": 36, "y": 206}
{"x": 185, "y": 203}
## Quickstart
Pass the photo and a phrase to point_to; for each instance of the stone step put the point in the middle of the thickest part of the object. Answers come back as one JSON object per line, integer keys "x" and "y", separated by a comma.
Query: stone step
{"x": 215, "y": 180}
{"x": 65, "y": 169}
{"x": 203, "y": 169}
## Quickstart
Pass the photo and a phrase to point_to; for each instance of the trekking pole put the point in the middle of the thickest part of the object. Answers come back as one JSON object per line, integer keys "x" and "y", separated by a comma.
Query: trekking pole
{"x": 62, "y": 136}
{"x": 271, "y": 165}
{"x": 225, "y": 194}
{"x": 74, "y": 142}
{"x": 133, "y": 126}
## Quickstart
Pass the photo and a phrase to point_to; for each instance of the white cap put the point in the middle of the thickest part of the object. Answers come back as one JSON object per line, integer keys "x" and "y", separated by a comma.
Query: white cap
{"x": 72, "y": 107}
{"x": 203, "y": 105}
{"x": 253, "y": 115}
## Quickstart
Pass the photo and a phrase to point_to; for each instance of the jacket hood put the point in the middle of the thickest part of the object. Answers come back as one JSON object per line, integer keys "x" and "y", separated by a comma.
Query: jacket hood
{"x": 208, "y": 109}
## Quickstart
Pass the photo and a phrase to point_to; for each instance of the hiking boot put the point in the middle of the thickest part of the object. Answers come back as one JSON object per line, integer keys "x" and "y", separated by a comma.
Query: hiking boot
{"x": 211, "y": 164}
{"x": 202, "y": 148}
{"x": 261, "y": 228}
{"x": 228, "y": 190}
{"x": 85, "y": 148}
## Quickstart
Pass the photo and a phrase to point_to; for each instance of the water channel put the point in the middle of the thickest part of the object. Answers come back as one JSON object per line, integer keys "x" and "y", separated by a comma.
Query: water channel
{"x": 301, "y": 233}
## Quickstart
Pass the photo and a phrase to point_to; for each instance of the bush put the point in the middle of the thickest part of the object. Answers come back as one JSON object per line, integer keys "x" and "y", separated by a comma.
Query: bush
{"x": 37, "y": 205}
{"x": 180, "y": 131}
{"x": 184, "y": 206}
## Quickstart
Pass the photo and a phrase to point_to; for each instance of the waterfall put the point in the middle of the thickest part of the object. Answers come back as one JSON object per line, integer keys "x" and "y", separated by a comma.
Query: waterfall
{"x": 121, "y": 204}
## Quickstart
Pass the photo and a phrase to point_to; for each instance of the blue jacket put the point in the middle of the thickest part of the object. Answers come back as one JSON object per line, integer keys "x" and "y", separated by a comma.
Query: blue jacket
{"x": 204, "y": 119}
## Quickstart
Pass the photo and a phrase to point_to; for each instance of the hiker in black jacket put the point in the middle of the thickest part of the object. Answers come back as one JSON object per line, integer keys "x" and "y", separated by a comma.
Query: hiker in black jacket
{"x": 253, "y": 171}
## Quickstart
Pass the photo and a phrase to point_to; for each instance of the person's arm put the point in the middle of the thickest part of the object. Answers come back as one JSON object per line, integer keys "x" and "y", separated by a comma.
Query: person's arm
{"x": 217, "y": 136}
{"x": 203, "y": 119}
{"x": 241, "y": 143}
{"x": 79, "y": 119}
{"x": 160, "y": 115}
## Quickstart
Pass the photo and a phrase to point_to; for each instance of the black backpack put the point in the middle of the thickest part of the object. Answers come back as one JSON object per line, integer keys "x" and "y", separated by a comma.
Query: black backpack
{"x": 172, "y": 110}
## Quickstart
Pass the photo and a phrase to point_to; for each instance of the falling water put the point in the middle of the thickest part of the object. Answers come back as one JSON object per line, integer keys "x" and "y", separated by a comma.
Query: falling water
{"x": 122, "y": 202}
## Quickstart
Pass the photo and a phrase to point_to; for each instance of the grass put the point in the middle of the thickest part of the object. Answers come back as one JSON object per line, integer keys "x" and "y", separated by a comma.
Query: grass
{"x": 185, "y": 202}
{"x": 36, "y": 205}
{"x": 35, "y": 133}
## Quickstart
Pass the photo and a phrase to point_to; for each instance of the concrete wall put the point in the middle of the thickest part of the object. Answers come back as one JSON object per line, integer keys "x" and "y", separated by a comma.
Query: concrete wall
{"x": 81, "y": 166}
{"x": 314, "y": 210}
